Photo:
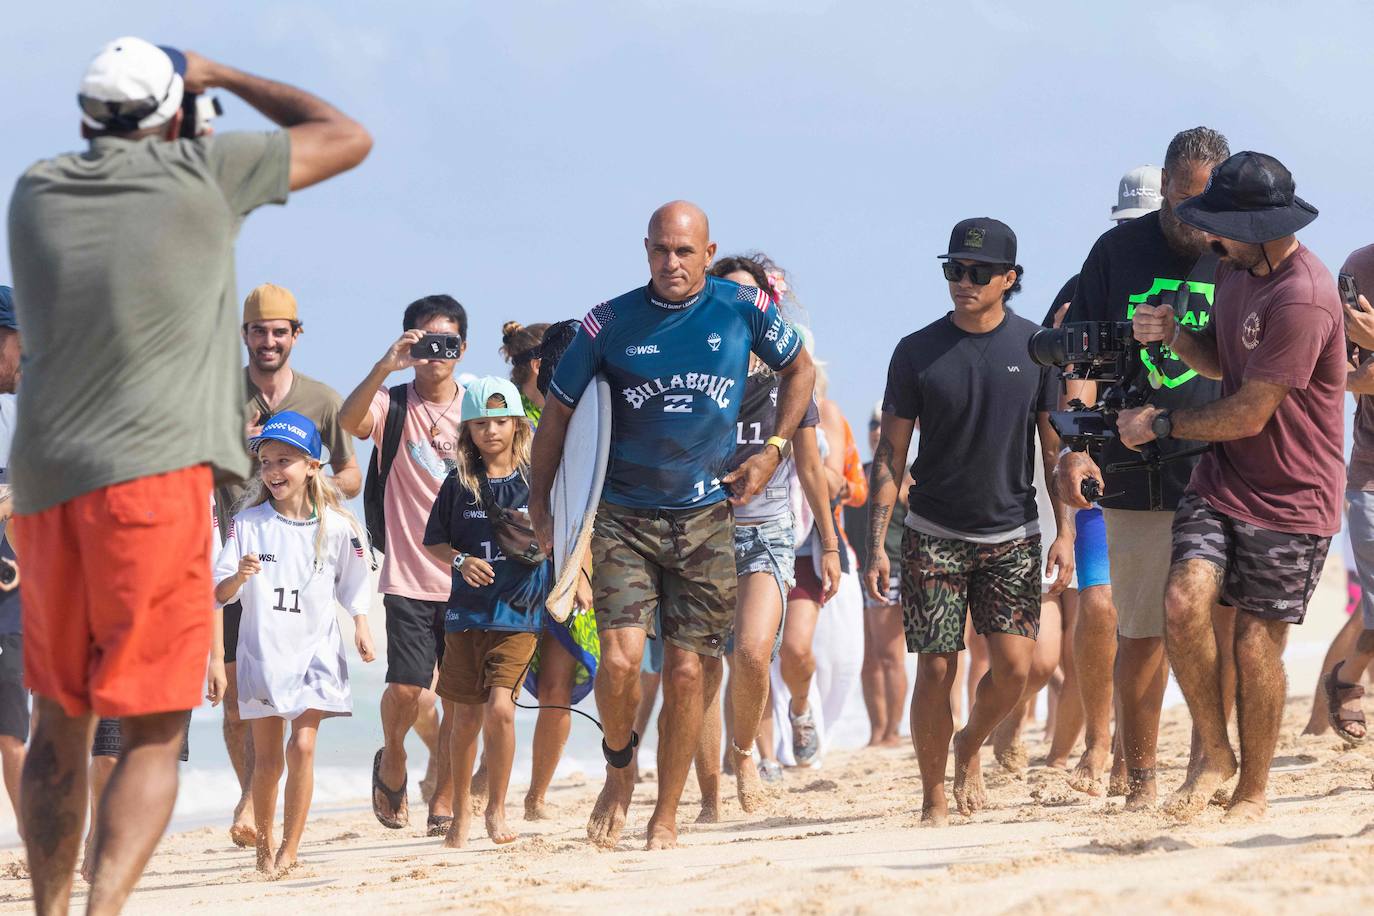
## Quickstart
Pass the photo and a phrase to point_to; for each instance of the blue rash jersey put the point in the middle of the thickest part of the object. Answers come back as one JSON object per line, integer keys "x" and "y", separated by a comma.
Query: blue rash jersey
{"x": 677, "y": 372}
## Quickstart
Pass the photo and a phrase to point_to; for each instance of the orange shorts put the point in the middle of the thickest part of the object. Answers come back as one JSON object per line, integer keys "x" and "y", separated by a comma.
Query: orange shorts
{"x": 118, "y": 596}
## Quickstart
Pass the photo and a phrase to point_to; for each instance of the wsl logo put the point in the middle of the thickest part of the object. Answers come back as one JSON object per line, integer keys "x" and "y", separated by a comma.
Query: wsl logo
{"x": 713, "y": 341}
{"x": 649, "y": 350}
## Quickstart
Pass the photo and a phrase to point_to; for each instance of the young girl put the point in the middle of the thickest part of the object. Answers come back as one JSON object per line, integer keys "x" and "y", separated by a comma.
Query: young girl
{"x": 497, "y": 601}
{"x": 287, "y": 557}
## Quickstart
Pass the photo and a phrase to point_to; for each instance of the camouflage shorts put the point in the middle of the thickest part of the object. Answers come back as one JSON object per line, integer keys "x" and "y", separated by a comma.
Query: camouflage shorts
{"x": 670, "y": 572}
{"x": 1270, "y": 574}
{"x": 944, "y": 579}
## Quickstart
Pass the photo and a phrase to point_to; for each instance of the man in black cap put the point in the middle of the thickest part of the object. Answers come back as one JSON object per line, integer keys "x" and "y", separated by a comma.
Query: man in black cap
{"x": 1257, "y": 518}
{"x": 971, "y": 544}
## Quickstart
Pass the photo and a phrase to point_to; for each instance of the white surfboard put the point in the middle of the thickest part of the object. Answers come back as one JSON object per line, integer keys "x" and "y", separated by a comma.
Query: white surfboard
{"x": 576, "y": 492}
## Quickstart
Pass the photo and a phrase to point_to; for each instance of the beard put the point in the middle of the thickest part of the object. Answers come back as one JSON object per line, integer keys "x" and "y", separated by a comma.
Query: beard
{"x": 1181, "y": 237}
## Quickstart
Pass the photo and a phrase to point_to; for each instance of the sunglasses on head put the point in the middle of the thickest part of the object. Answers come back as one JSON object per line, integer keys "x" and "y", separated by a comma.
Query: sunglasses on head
{"x": 978, "y": 274}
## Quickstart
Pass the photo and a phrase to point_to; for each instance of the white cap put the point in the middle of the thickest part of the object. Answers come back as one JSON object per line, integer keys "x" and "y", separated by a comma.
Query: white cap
{"x": 131, "y": 85}
{"x": 1138, "y": 193}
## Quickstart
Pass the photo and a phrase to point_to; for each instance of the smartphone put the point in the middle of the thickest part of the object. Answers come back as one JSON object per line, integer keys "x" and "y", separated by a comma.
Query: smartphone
{"x": 437, "y": 346}
{"x": 1350, "y": 293}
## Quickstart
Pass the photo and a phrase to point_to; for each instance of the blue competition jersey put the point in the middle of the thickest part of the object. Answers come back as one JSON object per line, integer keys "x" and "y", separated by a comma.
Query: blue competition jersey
{"x": 677, "y": 372}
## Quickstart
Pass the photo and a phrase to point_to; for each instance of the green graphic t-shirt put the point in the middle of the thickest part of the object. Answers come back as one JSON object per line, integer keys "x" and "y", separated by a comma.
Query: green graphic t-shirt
{"x": 1133, "y": 265}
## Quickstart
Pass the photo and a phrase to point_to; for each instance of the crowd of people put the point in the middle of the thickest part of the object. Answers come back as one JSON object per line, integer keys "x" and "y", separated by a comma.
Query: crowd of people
{"x": 738, "y": 526}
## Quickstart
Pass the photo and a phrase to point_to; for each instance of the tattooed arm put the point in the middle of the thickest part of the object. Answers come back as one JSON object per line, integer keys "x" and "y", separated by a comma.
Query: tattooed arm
{"x": 884, "y": 480}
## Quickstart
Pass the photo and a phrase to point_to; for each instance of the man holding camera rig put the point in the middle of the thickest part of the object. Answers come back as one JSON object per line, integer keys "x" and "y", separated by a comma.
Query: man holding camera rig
{"x": 135, "y": 233}
{"x": 1144, "y": 261}
{"x": 1257, "y": 518}
{"x": 971, "y": 547}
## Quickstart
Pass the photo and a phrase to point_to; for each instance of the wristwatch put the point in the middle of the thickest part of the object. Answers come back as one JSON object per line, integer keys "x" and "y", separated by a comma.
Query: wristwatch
{"x": 459, "y": 559}
{"x": 1163, "y": 425}
{"x": 779, "y": 443}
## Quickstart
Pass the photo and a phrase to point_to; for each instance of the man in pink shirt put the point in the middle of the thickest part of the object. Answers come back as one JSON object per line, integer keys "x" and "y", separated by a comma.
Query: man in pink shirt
{"x": 1254, "y": 526}
{"x": 415, "y": 586}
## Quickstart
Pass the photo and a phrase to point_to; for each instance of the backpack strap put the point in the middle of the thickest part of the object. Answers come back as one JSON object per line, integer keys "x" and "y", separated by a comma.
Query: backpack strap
{"x": 391, "y": 430}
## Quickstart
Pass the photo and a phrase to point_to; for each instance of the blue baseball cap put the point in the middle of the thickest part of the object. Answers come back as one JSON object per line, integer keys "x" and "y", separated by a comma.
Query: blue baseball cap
{"x": 7, "y": 319}
{"x": 478, "y": 392}
{"x": 292, "y": 428}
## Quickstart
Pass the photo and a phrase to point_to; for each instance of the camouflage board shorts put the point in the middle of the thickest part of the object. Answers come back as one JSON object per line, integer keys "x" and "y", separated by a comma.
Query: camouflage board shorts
{"x": 1270, "y": 574}
{"x": 672, "y": 569}
{"x": 944, "y": 579}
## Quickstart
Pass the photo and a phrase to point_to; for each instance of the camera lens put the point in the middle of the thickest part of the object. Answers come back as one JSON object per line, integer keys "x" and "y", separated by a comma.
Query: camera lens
{"x": 1049, "y": 346}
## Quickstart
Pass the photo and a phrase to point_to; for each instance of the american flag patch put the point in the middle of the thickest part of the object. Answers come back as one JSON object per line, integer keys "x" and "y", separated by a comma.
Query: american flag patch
{"x": 357, "y": 548}
{"x": 231, "y": 530}
{"x": 755, "y": 295}
{"x": 596, "y": 319}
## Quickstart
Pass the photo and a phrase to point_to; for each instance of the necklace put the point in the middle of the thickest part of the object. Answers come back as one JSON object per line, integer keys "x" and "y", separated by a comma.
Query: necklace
{"x": 433, "y": 423}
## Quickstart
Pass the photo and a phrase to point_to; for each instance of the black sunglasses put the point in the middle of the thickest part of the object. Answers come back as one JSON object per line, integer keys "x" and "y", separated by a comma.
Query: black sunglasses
{"x": 978, "y": 274}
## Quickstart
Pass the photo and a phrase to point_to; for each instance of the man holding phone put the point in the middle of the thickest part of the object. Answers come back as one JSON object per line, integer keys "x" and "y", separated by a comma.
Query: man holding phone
{"x": 415, "y": 585}
{"x": 1342, "y": 684}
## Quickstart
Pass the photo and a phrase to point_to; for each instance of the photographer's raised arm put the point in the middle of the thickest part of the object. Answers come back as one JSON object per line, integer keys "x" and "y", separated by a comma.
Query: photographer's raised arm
{"x": 884, "y": 481}
{"x": 1196, "y": 348}
{"x": 324, "y": 140}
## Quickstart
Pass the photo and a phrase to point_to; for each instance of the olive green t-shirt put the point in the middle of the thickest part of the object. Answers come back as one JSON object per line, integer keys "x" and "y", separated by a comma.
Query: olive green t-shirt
{"x": 123, "y": 260}
{"x": 308, "y": 397}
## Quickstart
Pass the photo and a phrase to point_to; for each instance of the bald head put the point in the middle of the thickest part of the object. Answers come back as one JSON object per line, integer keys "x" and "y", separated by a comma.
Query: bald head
{"x": 681, "y": 216}
{"x": 680, "y": 250}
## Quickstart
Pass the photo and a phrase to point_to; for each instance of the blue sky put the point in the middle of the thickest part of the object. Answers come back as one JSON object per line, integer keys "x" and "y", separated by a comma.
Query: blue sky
{"x": 521, "y": 146}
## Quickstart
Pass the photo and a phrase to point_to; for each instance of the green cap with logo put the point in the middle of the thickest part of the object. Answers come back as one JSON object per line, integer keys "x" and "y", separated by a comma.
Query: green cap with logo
{"x": 480, "y": 392}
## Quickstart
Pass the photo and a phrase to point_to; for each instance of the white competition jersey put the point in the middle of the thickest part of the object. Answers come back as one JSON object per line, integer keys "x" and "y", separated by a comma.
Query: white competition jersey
{"x": 290, "y": 651}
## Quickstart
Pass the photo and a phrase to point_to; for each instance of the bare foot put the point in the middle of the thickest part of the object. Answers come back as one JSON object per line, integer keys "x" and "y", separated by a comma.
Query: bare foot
{"x": 266, "y": 861}
{"x": 457, "y": 836}
{"x": 1141, "y": 792}
{"x": 1245, "y": 811}
{"x": 892, "y": 741}
{"x": 710, "y": 811}
{"x": 935, "y": 811}
{"x": 1007, "y": 747}
{"x": 1317, "y": 726}
{"x": 284, "y": 865}
{"x": 749, "y": 787}
{"x": 612, "y": 805}
{"x": 1192, "y": 798}
{"x": 1087, "y": 776}
{"x": 496, "y": 827}
{"x": 243, "y": 832}
{"x": 1118, "y": 784}
{"x": 661, "y": 836}
{"x": 536, "y": 809}
{"x": 970, "y": 796}
{"x": 479, "y": 789}
{"x": 1057, "y": 763}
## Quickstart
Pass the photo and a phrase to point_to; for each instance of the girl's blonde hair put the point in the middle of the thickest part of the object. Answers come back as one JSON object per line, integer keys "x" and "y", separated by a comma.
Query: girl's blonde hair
{"x": 322, "y": 494}
{"x": 469, "y": 462}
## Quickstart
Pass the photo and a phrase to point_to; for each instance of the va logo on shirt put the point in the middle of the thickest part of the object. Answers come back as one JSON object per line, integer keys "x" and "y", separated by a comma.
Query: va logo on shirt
{"x": 713, "y": 341}
{"x": 1172, "y": 372}
{"x": 1250, "y": 331}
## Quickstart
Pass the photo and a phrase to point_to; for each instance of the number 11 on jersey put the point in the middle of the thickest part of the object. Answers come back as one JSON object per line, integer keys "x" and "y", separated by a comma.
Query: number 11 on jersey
{"x": 281, "y": 601}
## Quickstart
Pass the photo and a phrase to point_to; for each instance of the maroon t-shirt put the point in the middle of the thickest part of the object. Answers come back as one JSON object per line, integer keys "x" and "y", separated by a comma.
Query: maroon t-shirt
{"x": 1285, "y": 328}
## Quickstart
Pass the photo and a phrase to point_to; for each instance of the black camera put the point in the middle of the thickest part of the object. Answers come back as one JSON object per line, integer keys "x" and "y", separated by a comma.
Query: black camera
{"x": 437, "y": 346}
{"x": 1096, "y": 350}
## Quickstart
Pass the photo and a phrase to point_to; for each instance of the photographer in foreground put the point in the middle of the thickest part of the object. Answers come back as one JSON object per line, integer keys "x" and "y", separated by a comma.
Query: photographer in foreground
{"x": 131, "y": 243}
{"x": 1257, "y": 518}
{"x": 1145, "y": 261}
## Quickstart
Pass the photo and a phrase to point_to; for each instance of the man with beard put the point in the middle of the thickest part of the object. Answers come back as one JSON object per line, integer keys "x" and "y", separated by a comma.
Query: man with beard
{"x": 271, "y": 327}
{"x": 1254, "y": 525}
{"x": 1141, "y": 262}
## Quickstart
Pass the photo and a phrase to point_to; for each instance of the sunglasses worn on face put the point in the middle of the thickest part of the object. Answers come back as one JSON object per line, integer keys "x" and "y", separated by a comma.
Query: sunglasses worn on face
{"x": 978, "y": 274}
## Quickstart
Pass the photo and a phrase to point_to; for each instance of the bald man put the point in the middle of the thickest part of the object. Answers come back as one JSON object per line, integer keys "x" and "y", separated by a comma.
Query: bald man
{"x": 676, "y": 355}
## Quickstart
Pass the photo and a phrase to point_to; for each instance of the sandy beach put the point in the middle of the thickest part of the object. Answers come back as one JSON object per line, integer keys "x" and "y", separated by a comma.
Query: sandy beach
{"x": 843, "y": 838}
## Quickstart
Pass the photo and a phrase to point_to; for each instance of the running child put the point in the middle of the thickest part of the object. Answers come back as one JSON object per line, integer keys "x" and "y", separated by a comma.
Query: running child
{"x": 287, "y": 557}
{"x": 480, "y": 527}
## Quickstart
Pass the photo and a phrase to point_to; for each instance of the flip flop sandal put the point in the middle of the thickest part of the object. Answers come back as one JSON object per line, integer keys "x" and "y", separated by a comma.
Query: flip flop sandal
{"x": 394, "y": 797}
{"x": 1339, "y": 692}
{"x": 438, "y": 824}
